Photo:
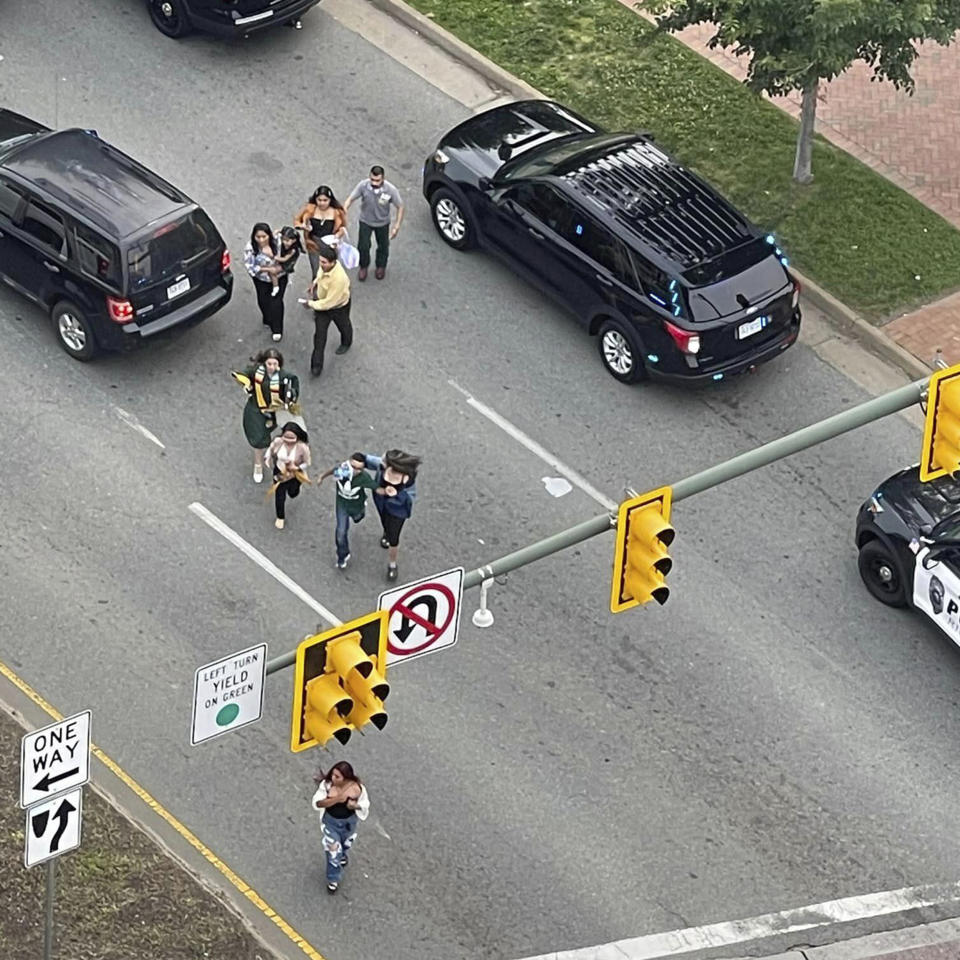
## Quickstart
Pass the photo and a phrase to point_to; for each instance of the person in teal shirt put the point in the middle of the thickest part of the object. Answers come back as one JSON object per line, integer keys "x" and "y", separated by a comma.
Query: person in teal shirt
{"x": 353, "y": 482}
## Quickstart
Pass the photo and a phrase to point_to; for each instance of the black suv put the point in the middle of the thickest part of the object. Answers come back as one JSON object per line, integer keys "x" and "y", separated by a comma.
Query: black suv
{"x": 676, "y": 282}
{"x": 112, "y": 251}
{"x": 227, "y": 18}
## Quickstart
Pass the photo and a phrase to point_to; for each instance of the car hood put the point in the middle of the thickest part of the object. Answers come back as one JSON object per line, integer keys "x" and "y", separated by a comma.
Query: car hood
{"x": 476, "y": 142}
{"x": 921, "y": 505}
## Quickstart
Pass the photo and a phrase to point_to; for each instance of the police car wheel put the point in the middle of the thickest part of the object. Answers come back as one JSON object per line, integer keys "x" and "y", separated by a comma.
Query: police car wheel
{"x": 880, "y": 572}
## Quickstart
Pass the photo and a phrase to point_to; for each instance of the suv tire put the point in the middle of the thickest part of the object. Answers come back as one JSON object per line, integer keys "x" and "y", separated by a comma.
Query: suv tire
{"x": 169, "y": 17}
{"x": 620, "y": 353}
{"x": 451, "y": 219}
{"x": 74, "y": 331}
{"x": 881, "y": 574}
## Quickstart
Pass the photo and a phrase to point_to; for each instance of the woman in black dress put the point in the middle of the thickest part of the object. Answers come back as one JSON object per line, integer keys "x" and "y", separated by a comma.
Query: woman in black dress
{"x": 321, "y": 216}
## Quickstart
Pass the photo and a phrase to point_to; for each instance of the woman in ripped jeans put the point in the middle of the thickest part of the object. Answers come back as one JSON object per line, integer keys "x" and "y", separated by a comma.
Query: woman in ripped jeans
{"x": 343, "y": 799}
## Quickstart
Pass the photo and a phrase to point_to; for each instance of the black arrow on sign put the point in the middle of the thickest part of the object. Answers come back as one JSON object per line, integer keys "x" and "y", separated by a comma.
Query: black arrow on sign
{"x": 46, "y": 781}
{"x": 407, "y": 625}
{"x": 63, "y": 815}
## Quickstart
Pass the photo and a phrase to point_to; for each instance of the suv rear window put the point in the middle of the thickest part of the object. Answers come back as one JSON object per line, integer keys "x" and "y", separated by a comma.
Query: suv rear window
{"x": 729, "y": 264}
{"x": 171, "y": 248}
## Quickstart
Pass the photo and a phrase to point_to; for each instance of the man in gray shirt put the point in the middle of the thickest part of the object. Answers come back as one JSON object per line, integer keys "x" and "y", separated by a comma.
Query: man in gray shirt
{"x": 376, "y": 195}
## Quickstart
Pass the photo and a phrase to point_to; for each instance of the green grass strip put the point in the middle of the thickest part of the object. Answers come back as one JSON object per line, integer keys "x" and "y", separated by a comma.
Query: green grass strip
{"x": 861, "y": 237}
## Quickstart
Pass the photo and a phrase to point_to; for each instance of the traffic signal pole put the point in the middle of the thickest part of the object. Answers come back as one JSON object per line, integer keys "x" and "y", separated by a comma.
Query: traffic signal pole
{"x": 799, "y": 440}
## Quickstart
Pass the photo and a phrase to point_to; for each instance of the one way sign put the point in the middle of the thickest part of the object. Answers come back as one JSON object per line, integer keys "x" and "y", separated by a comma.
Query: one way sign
{"x": 55, "y": 759}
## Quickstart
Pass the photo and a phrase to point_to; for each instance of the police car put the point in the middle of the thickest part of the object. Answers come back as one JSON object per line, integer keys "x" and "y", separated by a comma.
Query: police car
{"x": 908, "y": 535}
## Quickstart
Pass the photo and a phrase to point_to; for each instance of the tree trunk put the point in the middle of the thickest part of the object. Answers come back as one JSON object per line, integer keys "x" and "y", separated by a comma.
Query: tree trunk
{"x": 808, "y": 118}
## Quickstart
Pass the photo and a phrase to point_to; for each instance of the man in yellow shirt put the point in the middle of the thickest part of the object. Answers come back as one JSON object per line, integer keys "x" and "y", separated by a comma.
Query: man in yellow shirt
{"x": 332, "y": 303}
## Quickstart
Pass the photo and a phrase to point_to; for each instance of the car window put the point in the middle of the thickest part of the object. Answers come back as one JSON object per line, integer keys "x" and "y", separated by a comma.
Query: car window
{"x": 45, "y": 225}
{"x": 171, "y": 248}
{"x": 601, "y": 246}
{"x": 544, "y": 203}
{"x": 98, "y": 257}
{"x": 10, "y": 197}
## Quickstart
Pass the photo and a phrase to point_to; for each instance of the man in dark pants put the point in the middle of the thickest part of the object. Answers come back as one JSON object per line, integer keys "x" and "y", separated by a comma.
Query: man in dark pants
{"x": 376, "y": 196}
{"x": 332, "y": 303}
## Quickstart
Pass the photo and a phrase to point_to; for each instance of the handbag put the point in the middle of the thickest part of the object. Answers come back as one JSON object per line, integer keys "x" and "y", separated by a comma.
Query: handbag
{"x": 347, "y": 253}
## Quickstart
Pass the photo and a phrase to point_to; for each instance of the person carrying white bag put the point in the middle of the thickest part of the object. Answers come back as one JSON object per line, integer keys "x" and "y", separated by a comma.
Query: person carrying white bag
{"x": 347, "y": 253}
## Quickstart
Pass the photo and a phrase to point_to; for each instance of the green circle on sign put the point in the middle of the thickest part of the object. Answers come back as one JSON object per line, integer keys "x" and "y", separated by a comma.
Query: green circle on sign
{"x": 227, "y": 715}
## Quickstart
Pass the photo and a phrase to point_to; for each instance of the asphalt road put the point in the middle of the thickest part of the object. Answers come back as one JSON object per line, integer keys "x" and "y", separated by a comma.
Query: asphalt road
{"x": 772, "y": 737}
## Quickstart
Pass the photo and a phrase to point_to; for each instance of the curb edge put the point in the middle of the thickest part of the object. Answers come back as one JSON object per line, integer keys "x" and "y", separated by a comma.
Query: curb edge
{"x": 839, "y": 315}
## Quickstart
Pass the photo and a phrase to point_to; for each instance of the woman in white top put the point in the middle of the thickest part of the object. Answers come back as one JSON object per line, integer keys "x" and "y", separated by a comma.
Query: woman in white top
{"x": 289, "y": 457}
{"x": 343, "y": 799}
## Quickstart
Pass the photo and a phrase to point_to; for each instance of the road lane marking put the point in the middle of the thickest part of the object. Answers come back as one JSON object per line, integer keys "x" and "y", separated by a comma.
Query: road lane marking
{"x": 213, "y": 521}
{"x": 535, "y": 448}
{"x": 131, "y": 421}
{"x": 241, "y": 885}
{"x": 675, "y": 943}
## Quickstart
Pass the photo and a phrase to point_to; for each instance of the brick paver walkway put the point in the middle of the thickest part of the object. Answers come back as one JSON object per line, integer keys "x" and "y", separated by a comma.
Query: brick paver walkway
{"x": 913, "y": 141}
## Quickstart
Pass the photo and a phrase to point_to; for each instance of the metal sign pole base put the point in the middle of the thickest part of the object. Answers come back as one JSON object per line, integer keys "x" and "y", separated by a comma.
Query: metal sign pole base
{"x": 48, "y": 918}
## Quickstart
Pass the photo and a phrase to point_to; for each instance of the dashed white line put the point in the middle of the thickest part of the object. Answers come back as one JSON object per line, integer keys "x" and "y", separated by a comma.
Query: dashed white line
{"x": 535, "y": 448}
{"x": 131, "y": 421}
{"x": 229, "y": 534}
{"x": 675, "y": 943}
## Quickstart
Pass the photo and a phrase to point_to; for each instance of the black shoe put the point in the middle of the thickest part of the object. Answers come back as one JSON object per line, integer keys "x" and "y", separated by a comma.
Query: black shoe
{"x": 384, "y": 542}
{"x": 315, "y": 373}
{"x": 332, "y": 887}
{"x": 341, "y": 350}
{"x": 392, "y": 571}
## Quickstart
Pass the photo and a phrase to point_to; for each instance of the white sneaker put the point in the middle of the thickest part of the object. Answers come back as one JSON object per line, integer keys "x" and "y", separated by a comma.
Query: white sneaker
{"x": 342, "y": 564}
{"x": 278, "y": 523}
{"x": 257, "y": 473}
{"x": 274, "y": 291}
{"x": 277, "y": 337}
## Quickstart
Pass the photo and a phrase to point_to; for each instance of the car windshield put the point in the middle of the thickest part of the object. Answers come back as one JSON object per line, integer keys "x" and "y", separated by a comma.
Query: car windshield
{"x": 947, "y": 530}
{"x": 171, "y": 248}
{"x": 547, "y": 157}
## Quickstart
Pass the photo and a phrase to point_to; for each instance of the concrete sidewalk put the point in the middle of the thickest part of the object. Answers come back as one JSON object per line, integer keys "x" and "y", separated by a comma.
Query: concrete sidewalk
{"x": 912, "y": 141}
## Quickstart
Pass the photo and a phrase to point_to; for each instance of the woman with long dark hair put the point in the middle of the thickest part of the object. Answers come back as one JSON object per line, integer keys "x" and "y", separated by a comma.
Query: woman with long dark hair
{"x": 269, "y": 388}
{"x": 343, "y": 799}
{"x": 396, "y": 477}
{"x": 289, "y": 458}
{"x": 321, "y": 216}
{"x": 260, "y": 259}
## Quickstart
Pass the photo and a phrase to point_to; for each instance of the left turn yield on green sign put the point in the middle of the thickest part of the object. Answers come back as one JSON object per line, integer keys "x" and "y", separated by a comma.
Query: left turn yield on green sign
{"x": 228, "y": 693}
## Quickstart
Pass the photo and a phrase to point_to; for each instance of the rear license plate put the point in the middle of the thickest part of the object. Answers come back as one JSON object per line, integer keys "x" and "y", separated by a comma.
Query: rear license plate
{"x": 751, "y": 327}
{"x": 182, "y": 286}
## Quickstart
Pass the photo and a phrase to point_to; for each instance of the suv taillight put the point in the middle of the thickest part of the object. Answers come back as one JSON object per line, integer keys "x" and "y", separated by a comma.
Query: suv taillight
{"x": 225, "y": 261}
{"x": 795, "y": 299}
{"x": 686, "y": 341}
{"x": 121, "y": 311}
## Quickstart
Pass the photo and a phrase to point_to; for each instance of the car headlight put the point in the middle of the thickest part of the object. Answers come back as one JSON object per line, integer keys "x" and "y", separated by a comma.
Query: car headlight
{"x": 874, "y": 506}
{"x": 440, "y": 157}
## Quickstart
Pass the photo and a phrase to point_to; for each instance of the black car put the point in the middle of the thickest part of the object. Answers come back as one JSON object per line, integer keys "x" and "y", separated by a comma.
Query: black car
{"x": 908, "y": 538}
{"x": 675, "y": 281}
{"x": 227, "y": 18}
{"x": 111, "y": 251}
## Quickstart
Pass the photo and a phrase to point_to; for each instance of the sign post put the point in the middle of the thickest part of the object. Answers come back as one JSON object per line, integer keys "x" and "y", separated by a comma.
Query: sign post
{"x": 424, "y": 616}
{"x": 228, "y": 693}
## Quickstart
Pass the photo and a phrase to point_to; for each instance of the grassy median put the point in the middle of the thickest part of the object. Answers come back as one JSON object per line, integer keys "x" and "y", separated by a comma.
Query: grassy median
{"x": 119, "y": 897}
{"x": 868, "y": 242}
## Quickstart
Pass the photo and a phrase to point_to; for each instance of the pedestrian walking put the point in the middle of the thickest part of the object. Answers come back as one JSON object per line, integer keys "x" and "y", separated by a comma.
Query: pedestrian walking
{"x": 321, "y": 216}
{"x": 269, "y": 279}
{"x": 353, "y": 482}
{"x": 376, "y": 196}
{"x": 289, "y": 458}
{"x": 396, "y": 479}
{"x": 332, "y": 304}
{"x": 269, "y": 388}
{"x": 343, "y": 799}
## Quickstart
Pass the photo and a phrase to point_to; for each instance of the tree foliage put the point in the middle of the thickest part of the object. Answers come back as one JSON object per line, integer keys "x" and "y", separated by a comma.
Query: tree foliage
{"x": 795, "y": 43}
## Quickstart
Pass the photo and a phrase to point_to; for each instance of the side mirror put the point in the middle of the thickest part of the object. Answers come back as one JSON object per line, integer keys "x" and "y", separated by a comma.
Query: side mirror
{"x": 485, "y": 184}
{"x": 504, "y": 152}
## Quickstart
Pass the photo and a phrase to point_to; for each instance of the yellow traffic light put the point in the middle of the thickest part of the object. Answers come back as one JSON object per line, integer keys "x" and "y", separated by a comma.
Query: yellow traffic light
{"x": 339, "y": 682}
{"x": 358, "y": 672}
{"x": 327, "y": 705}
{"x": 641, "y": 560}
{"x": 941, "y": 431}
